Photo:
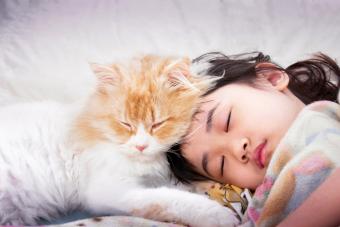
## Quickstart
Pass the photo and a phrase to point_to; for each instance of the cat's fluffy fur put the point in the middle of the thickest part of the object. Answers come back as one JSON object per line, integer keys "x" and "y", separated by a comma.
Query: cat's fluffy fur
{"x": 106, "y": 154}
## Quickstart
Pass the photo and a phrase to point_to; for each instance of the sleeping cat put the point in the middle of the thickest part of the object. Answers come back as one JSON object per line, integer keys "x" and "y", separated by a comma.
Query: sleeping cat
{"x": 108, "y": 153}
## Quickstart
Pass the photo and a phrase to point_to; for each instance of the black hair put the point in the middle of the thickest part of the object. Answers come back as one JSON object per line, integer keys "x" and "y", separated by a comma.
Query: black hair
{"x": 309, "y": 80}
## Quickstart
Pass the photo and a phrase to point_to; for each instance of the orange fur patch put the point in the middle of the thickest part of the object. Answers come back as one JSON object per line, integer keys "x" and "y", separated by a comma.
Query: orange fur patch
{"x": 142, "y": 94}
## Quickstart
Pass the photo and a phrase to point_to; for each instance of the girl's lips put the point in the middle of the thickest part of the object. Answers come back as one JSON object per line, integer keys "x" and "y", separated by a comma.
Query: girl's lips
{"x": 259, "y": 155}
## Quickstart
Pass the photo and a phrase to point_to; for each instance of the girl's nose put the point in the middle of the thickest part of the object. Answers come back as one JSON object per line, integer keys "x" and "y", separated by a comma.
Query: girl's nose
{"x": 242, "y": 150}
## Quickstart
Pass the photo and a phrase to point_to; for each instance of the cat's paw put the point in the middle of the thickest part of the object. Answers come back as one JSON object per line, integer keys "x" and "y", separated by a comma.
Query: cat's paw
{"x": 221, "y": 216}
{"x": 215, "y": 215}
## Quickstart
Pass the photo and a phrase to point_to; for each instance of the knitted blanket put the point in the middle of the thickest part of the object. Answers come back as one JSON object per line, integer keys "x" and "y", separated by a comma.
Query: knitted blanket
{"x": 305, "y": 157}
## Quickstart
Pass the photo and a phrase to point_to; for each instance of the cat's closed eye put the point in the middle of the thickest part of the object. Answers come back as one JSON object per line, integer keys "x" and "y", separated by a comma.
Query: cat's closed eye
{"x": 157, "y": 125}
{"x": 126, "y": 125}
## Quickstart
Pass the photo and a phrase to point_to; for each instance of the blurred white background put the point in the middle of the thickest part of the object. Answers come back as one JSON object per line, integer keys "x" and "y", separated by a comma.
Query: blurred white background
{"x": 45, "y": 46}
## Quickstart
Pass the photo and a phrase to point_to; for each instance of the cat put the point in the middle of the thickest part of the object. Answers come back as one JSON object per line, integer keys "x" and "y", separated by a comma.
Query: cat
{"x": 107, "y": 153}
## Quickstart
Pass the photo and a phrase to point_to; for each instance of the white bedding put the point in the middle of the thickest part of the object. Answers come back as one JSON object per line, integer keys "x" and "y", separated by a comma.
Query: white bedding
{"x": 45, "y": 46}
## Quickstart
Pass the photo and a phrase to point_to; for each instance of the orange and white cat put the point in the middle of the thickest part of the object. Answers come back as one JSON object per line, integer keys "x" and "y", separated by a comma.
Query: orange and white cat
{"x": 108, "y": 153}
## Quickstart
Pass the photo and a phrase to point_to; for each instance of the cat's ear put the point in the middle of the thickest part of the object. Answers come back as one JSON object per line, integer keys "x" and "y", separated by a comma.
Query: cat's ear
{"x": 106, "y": 74}
{"x": 178, "y": 73}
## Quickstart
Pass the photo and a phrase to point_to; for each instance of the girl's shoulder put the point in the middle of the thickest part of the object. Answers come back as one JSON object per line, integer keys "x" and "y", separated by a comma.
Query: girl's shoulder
{"x": 325, "y": 108}
{"x": 313, "y": 123}
{"x": 323, "y": 105}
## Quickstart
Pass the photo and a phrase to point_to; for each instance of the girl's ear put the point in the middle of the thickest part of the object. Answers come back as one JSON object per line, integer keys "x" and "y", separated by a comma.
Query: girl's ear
{"x": 276, "y": 77}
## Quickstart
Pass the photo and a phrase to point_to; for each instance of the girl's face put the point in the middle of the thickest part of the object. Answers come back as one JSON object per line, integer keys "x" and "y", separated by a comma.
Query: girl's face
{"x": 234, "y": 136}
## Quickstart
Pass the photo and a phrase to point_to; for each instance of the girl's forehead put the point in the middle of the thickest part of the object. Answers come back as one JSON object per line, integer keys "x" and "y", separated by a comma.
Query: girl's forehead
{"x": 204, "y": 118}
{"x": 227, "y": 95}
{"x": 210, "y": 108}
{"x": 215, "y": 100}
{"x": 220, "y": 95}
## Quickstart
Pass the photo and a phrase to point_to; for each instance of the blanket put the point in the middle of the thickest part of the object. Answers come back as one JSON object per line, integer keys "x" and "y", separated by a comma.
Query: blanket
{"x": 235, "y": 198}
{"x": 112, "y": 221}
{"x": 121, "y": 221}
{"x": 305, "y": 157}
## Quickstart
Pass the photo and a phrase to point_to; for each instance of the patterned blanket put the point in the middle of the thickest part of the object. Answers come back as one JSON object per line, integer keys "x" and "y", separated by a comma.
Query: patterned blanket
{"x": 306, "y": 156}
{"x": 117, "y": 221}
{"x": 112, "y": 221}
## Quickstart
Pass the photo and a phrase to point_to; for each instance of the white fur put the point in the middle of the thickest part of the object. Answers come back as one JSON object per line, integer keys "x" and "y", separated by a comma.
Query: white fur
{"x": 142, "y": 138}
{"x": 42, "y": 174}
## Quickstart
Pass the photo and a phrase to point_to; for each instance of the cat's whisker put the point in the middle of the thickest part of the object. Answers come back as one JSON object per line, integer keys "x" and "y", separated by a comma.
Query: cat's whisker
{"x": 190, "y": 134}
{"x": 181, "y": 78}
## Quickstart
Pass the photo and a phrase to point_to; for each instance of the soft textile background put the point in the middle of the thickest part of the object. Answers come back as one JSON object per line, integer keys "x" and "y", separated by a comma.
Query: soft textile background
{"x": 45, "y": 46}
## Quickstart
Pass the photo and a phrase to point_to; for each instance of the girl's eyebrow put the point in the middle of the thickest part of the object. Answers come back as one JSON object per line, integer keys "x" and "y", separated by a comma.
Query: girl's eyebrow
{"x": 210, "y": 118}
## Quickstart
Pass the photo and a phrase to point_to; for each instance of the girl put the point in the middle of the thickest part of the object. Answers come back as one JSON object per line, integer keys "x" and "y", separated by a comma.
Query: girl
{"x": 255, "y": 131}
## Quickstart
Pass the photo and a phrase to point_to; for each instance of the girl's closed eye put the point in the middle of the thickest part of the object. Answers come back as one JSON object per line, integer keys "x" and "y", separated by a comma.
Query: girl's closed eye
{"x": 222, "y": 165}
{"x": 228, "y": 121}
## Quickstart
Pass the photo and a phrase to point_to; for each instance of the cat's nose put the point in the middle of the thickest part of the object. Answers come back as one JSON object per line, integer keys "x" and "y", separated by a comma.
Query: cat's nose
{"x": 141, "y": 147}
